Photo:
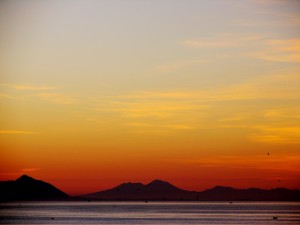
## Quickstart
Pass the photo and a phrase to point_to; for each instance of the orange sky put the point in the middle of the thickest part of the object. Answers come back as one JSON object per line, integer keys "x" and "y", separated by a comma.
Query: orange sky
{"x": 96, "y": 93}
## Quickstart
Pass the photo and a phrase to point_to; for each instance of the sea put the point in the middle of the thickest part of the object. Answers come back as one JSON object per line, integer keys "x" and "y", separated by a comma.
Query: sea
{"x": 150, "y": 213}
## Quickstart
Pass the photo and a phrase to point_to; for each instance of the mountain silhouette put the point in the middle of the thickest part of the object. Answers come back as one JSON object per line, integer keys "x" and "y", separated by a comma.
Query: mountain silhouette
{"x": 155, "y": 190}
{"x": 161, "y": 190}
{"x": 26, "y": 188}
{"x": 220, "y": 193}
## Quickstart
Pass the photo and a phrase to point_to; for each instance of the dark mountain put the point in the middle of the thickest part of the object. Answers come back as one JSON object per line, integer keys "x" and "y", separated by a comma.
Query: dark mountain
{"x": 155, "y": 190}
{"x": 161, "y": 190}
{"x": 220, "y": 193}
{"x": 159, "y": 185}
{"x": 26, "y": 188}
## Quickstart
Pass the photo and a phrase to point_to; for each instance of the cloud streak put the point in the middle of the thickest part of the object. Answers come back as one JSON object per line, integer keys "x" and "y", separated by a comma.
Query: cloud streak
{"x": 46, "y": 93}
{"x": 277, "y": 134}
{"x": 267, "y": 49}
{"x": 262, "y": 162}
{"x": 16, "y": 132}
{"x": 179, "y": 65}
{"x": 280, "y": 51}
{"x": 222, "y": 41}
{"x": 56, "y": 98}
{"x": 31, "y": 88}
{"x": 28, "y": 170}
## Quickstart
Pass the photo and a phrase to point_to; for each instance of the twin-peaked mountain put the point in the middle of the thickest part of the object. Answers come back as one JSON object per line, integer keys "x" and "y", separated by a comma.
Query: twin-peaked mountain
{"x": 155, "y": 190}
{"x": 28, "y": 189}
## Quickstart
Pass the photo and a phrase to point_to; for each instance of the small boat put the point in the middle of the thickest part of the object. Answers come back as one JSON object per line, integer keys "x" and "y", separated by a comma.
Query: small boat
{"x": 275, "y": 217}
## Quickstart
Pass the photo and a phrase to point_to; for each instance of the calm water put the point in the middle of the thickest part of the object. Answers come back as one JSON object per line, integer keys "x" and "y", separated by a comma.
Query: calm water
{"x": 149, "y": 213}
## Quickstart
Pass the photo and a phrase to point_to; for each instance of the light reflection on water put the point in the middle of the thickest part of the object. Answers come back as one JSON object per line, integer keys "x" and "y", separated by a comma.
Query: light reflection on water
{"x": 149, "y": 213}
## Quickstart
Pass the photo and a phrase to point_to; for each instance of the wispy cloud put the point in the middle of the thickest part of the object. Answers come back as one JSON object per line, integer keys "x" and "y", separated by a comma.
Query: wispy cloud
{"x": 47, "y": 93}
{"x": 17, "y": 173}
{"x": 154, "y": 108}
{"x": 209, "y": 43}
{"x": 31, "y": 88}
{"x": 166, "y": 95}
{"x": 3, "y": 95}
{"x": 264, "y": 48}
{"x": 179, "y": 65}
{"x": 28, "y": 87}
{"x": 169, "y": 126}
{"x": 260, "y": 162}
{"x": 277, "y": 14}
{"x": 238, "y": 117}
{"x": 267, "y": 87}
{"x": 213, "y": 108}
{"x": 259, "y": 88}
{"x": 155, "y": 111}
{"x": 222, "y": 41}
{"x": 277, "y": 134}
{"x": 282, "y": 20}
{"x": 27, "y": 170}
{"x": 56, "y": 98}
{"x": 287, "y": 50}
{"x": 16, "y": 132}
{"x": 186, "y": 103}
{"x": 290, "y": 112}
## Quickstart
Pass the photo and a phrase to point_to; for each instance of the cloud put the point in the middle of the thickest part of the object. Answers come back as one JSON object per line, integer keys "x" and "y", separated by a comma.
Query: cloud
{"x": 31, "y": 88}
{"x": 168, "y": 126}
{"x": 268, "y": 87}
{"x": 16, "y": 132}
{"x": 264, "y": 48}
{"x": 277, "y": 134}
{"x": 56, "y": 98}
{"x": 261, "y": 161}
{"x": 155, "y": 111}
{"x": 27, "y": 170}
{"x": 289, "y": 21}
{"x": 154, "y": 108}
{"x": 287, "y": 50}
{"x": 222, "y": 40}
{"x": 3, "y": 95}
{"x": 37, "y": 91}
{"x": 210, "y": 43}
{"x": 290, "y": 112}
{"x": 19, "y": 173}
{"x": 26, "y": 87}
{"x": 235, "y": 118}
{"x": 179, "y": 65}
{"x": 164, "y": 127}
{"x": 240, "y": 106}
{"x": 180, "y": 103}
{"x": 166, "y": 95}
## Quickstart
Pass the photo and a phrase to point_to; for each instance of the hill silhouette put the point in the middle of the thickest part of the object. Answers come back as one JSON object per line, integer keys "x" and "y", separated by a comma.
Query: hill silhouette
{"x": 220, "y": 193}
{"x": 26, "y": 188}
{"x": 155, "y": 190}
{"x": 161, "y": 190}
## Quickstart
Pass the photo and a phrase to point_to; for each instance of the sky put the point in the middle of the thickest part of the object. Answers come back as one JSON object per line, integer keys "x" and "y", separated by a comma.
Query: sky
{"x": 197, "y": 93}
